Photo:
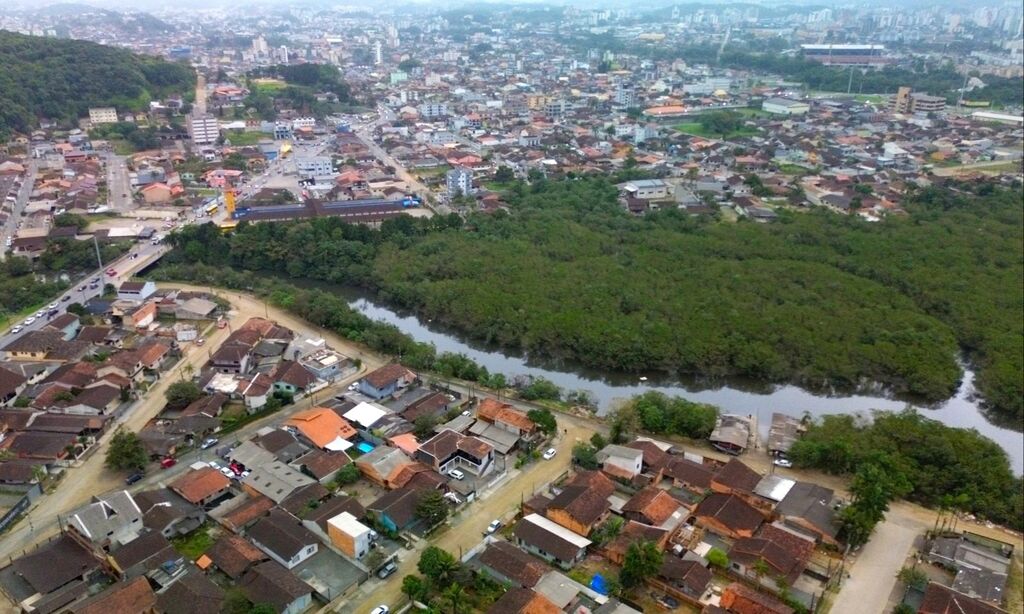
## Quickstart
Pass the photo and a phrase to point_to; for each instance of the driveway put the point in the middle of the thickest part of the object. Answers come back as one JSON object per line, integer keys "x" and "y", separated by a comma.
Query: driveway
{"x": 873, "y": 574}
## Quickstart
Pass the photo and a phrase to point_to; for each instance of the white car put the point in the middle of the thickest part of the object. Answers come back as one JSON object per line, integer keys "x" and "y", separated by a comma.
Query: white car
{"x": 215, "y": 465}
{"x": 783, "y": 462}
{"x": 28, "y": 320}
{"x": 550, "y": 453}
{"x": 228, "y": 473}
{"x": 456, "y": 474}
{"x": 381, "y": 609}
{"x": 494, "y": 526}
{"x": 16, "y": 330}
{"x": 52, "y": 305}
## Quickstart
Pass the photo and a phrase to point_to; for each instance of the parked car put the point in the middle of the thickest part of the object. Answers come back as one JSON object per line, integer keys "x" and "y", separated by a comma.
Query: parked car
{"x": 668, "y": 602}
{"x": 133, "y": 478}
{"x": 228, "y": 473}
{"x": 215, "y": 465}
{"x": 381, "y": 609}
{"x": 550, "y": 453}
{"x": 783, "y": 462}
{"x": 387, "y": 570}
{"x": 168, "y": 462}
{"x": 456, "y": 474}
{"x": 494, "y": 526}
{"x": 200, "y": 341}
{"x": 209, "y": 443}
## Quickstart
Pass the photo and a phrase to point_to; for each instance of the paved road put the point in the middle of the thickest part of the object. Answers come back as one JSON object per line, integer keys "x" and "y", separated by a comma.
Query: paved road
{"x": 467, "y": 529}
{"x": 28, "y": 181}
{"x": 119, "y": 188}
{"x": 91, "y": 477}
{"x": 873, "y": 573}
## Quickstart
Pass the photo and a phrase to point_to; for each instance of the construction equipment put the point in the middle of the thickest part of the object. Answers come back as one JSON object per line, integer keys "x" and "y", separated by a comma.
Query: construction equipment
{"x": 229, "y": 201}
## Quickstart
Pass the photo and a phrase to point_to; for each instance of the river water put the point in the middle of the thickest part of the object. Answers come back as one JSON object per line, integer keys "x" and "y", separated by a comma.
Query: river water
{"x": 962, "y": 410}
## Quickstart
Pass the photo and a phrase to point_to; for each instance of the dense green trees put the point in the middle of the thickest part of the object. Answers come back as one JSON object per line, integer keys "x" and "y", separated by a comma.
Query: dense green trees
{"x": 906, "y": 454}
{"x": 657, "y": 413}
{"x": 643, "y": 560}
{"x": 827, "y": 301}
{"x": 60, "y": 79}
{"x": 181, "y": 394}
{"x": 126, "y": 452}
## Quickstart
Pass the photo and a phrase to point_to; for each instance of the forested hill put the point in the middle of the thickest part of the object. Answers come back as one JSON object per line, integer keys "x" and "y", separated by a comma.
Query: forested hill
{"x": 824, "y": 300}
{"x": 60, "y": 79}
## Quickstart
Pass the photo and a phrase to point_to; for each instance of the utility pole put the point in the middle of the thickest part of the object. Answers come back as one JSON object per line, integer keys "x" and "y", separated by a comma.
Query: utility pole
{"x": 99, "y": 259}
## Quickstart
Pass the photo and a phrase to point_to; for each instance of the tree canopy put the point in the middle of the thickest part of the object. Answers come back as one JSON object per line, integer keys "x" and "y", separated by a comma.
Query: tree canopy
{"x": 181, "y": 394}
{"x": 126, "y": 452}
{"x": 60, "y": 79}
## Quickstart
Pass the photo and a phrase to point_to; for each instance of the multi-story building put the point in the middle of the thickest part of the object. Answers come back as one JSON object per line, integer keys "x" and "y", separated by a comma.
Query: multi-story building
{"x": 906, "y": 101}
{"x": 203, "y": 129}
{"x": 314, "y": 166}
{"x": 102, "y": 115}
{"x": 433, "y": 109}
{"x": 846, "y": 55}
{"x": 459, "y": 181}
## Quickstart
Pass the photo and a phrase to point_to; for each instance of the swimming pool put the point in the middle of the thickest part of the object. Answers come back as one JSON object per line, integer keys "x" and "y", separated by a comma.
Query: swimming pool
{"x": 364, "y": 447}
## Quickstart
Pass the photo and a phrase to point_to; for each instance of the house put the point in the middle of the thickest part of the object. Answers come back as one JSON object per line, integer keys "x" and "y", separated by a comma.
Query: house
{"x": 506, "y": 417}
{"x": 234, "y": 555}
{"x": 233, "y": 359}
{"x": 275, "y": 480}
{"x": 509, "y": 565}
{"x": 291, "y": 378}
{"x": 194, "y": 593}
{"x": 149, "y": 554}
{"x": 349, "y": 535}
{"x": 550, "y": 541}
{"x": 687, "y": 474}
{"x": 386, "y": 381}
{"x": 741, "y": 599}
{"x": 109, "y": 521}
{"x": 323, "y": 428}
{"x": 382, "y": 465}
{"x": 67, "y": 324}
{"x": 78, "y": 565}
{"x": 783, "y": 559}
{"x": 523, "y": 601}
{"x": 653, "y": 506}
{"x": 283, "y": 537}
{"x": 323, "y": 466}
{"x": 167, "y": 513}
{"x": 11, "y": 385}
{"x": 728, "y": 516}
{"x": 808, "y": 507}
{"x": 682, "y": 578}
{"x": 152, "y": 355}
{"x": 939, "y": 599}
{"x": 137, "y": 291}
{"x": 158, "y": 192}
{"x": 632, "y": 532}
{"x": 620, "y": 461}
{"x": 207, "y": 405}
{"x": 133, "y": 597}
{"x": 981, "y": 564}
{"x": 582, "y": 503}
{"x": 655, "y": 458}
{"x": 269, "y": 582}
{"x": 735, "y": 478}
{"x": 448, "y": 450}
{"x": 396, "y": 510}
{"x": 202, "y": 487}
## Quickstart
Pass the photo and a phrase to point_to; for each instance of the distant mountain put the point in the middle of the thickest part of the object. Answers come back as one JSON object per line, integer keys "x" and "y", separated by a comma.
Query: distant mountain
{"x": 60, "y": 79}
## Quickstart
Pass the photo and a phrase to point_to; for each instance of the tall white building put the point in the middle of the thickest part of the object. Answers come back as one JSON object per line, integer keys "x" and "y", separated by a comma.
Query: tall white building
{"x": 259, "y": 46}
{"x": 283, "y": 54}
{"x": 203, "y": 129}
{"x": 378, "y": 53}
{"x": 459, "y": 181}
{"x": 314, "y": 166}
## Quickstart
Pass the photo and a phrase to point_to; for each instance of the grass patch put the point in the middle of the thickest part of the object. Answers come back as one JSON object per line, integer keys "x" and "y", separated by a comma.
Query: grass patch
{"x": 794, "y": 169}
{"x": 122, "y": 147}
{"x": 245, "y": 138}
{"x": 496, "y": 186}
{"x": 194, "y": 544}
{"x": 696, "y": 129}
{"x": 1015, "y": 586}
{"x": 432, "y": 172}
{"x": 268, "y": 86}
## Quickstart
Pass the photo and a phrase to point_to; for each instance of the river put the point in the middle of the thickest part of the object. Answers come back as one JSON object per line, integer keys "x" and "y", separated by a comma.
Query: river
{"x": 962, "y": 410}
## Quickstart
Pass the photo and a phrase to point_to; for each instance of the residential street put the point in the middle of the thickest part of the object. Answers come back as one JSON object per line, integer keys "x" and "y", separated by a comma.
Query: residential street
{"x": 873, "y": 574}
{"x": 91, "y": 477}
{"x": 468, "y": 527}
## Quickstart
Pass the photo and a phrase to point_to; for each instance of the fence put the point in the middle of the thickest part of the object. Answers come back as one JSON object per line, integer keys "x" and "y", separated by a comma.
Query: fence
{"x": 20, "y": 507}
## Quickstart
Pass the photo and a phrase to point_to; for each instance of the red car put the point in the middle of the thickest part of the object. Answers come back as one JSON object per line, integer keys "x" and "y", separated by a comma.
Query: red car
{"x": 111, "y": 272}
{"x": 168, "y": 462}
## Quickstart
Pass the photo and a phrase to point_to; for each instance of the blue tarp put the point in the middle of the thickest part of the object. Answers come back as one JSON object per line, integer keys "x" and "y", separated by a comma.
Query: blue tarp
{"x": 599, "y": 584}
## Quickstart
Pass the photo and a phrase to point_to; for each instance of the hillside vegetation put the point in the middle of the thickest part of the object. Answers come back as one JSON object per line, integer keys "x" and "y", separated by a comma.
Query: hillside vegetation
{"x": 60, "y": 79}
{"x": 826, "y": 301}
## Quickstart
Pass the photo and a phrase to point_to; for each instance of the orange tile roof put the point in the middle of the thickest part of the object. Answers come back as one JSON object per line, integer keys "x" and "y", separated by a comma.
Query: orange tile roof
{"x": 496, "y": 411}
{"x": 200, "y": 484}
{"x": 406, "y": 443}
{"x": 321, "y": 425}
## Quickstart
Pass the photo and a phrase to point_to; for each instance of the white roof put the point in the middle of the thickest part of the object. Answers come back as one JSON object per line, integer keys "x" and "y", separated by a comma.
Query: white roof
{"x": 339, "y": 444}
{"x": 347, "y": 524}
{"x": 222, "y": 382}
{"x": 774, "y": 487}
{"x": 365, "y": 414}
{"x": 577, "y": 540}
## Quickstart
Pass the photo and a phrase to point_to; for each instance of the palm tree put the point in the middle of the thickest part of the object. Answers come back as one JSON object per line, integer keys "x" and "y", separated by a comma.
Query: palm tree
{"x": 456, "y": 595}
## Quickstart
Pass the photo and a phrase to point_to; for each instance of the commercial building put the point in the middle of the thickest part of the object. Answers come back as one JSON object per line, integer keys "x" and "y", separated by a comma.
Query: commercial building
{"x": 846, "y": 55}
{"x": 314, "y": 166}
{"x": 459, "y": 181}
{"x": 785, "y": 106}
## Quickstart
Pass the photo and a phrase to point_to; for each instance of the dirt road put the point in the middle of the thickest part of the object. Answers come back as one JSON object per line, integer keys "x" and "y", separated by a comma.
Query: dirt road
{"x": 873, "y": 573}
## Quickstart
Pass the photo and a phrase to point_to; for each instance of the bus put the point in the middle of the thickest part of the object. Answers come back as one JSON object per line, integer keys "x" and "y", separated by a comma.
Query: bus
{"x": 212, "y": 208}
